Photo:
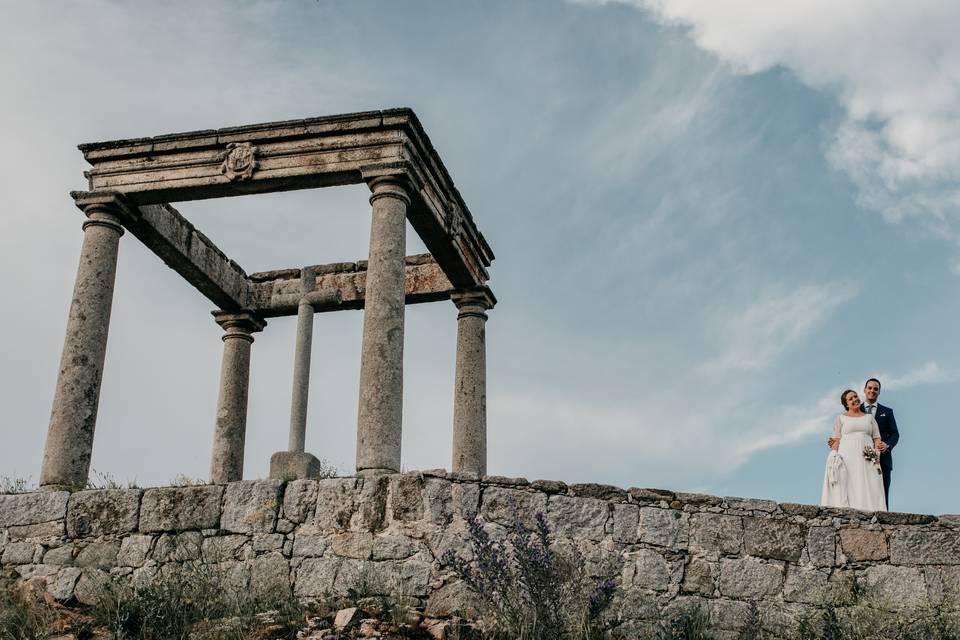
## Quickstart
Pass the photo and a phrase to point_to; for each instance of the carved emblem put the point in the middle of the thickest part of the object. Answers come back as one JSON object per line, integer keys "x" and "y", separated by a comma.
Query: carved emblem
{"x": 454, "y": 221}
{"x": 240, "y": 161}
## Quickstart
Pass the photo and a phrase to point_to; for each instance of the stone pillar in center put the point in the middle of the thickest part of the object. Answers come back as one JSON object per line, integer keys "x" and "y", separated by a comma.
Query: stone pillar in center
{"x": 379, "y": 416}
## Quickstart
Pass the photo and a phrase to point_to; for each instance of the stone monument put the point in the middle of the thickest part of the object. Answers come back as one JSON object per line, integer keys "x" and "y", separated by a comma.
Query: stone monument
{"x": 131, "y": 186}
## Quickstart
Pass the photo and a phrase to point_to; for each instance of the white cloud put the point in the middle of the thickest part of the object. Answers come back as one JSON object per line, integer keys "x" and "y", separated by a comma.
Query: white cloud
{"x": 929, "y": 373}
{"x": 799, "y": 424}
{"x": 754, "y": 338}
{"x": 658, "y": 436}
{"x": 895, "y": 69}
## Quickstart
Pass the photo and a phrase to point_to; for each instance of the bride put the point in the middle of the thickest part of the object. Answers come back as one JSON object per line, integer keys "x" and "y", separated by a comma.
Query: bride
{"x": 852, "y": 479}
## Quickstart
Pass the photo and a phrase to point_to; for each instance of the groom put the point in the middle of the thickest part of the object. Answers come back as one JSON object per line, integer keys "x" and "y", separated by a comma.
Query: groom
{"x": 888, "y": 430}
{"x": 889, "y": 435}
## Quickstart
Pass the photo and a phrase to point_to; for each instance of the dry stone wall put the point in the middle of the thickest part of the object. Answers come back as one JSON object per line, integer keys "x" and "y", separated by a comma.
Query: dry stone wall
{"x": 386, "y": 535}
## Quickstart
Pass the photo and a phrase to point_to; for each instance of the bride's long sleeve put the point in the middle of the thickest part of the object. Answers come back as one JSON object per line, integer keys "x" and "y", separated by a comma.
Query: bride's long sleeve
{"x": 837, "y": 428}
{"x": 874, "y": 428}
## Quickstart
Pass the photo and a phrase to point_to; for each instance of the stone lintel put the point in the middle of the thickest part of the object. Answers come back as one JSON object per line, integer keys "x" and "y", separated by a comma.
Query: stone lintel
{"x": 276, "y": 293}
{"x": 180, "y": 245}
{"x": 299, "y": 154}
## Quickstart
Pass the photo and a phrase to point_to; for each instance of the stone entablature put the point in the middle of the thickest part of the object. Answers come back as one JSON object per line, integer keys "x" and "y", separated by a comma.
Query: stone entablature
{"x": 314, "y": 152}
{"x": 315, "y": 538}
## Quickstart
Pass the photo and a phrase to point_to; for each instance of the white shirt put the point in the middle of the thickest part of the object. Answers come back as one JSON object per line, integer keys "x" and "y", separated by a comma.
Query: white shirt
{"x": 866, "y": 409}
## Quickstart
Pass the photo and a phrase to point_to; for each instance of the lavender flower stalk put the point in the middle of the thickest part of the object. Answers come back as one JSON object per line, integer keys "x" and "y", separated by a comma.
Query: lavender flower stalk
{"x": 528, "y": 587}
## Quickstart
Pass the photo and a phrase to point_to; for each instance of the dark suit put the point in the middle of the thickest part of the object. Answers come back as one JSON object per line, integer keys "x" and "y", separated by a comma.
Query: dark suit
{"x": 890, "y": 435}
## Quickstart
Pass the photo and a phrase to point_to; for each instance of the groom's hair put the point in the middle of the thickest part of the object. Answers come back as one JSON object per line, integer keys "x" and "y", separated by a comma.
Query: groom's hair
{"x": 843, "y": 398}
{"x": 869, "y": 380}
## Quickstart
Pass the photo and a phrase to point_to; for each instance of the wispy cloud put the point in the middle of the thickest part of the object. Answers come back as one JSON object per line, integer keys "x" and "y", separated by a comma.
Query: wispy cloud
{"x": 929, "y": 373}
{"x": 799, "y": 423}
{"x": 776, "y": 321}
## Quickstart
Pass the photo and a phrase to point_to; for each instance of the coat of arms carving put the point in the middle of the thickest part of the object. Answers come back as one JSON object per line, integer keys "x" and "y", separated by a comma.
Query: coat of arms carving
{"x": 240, "y": 161}
{"x": 454, "y": 221}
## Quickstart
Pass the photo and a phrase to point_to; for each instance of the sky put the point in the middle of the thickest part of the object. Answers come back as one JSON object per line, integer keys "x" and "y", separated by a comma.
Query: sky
{"x": 709, "y": 219}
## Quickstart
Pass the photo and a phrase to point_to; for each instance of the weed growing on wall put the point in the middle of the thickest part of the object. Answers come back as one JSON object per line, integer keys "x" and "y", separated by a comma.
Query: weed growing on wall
{"x": 689, "y": 624}
{"x": 183, "y": 480}
{"x": 16, "y": 485}
{"x": 529, "y": 590}
{"x": 106, "y": 480}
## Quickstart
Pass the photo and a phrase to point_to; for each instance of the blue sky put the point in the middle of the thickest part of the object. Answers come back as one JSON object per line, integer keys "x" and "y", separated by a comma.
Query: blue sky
{"x": 709, "y": 219}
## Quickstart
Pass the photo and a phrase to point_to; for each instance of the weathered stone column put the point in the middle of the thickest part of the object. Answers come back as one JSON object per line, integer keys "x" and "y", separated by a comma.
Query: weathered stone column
{"x": 470, "y": 388}
{"x": 296, "y": 463}
{"x": 301, "y": 364}
{"x": 379, "y": 418}
{"x": 66, "y": 455}
{"x": 226, "y": 462}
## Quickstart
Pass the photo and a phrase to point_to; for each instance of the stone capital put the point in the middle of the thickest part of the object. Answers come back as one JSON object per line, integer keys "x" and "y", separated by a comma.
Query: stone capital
{"x": 474, "y": 300}
{"x": 105, "y": 208}
{"x": 239, "y": 324}
{"x": 390, "y": 186}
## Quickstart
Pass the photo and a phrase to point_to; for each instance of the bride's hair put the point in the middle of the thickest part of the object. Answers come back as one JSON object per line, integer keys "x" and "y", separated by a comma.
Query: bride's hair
{"x": 843, "y": 398}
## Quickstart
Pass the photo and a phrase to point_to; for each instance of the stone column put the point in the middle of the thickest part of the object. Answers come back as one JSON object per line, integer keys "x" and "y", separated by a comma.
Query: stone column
{"x": 301, "y": 364}
{"x": 226, "y": 463}
{"x": 470, "y": 388}
{"x": 296, "y": 463}
{"x": 379, "y": 422}
{"x": 66, "y": 455}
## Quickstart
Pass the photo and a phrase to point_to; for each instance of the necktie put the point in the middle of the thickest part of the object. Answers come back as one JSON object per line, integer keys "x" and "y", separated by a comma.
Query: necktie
{"x": 870, "y": 409}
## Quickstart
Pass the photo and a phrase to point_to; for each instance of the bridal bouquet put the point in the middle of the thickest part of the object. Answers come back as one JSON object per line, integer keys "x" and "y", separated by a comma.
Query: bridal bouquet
{"x": 873, "y": 456}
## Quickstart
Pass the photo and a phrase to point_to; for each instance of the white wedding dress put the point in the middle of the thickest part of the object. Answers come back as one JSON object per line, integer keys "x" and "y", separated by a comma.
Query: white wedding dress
{"x": 850, "y": 480}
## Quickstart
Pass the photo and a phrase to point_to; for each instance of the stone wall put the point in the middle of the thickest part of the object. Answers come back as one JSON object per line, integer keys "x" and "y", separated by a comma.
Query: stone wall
{"x": 385, "y": 535}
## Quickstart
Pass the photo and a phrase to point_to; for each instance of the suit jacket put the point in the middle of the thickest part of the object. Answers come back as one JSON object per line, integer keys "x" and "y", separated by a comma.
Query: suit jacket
{"x": 888, "y": 433}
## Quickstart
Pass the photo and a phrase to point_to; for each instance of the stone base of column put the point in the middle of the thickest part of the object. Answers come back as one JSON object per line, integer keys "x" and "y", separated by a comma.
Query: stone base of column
{"x": 294, "y": 465}
{"x": 377, "y": 471}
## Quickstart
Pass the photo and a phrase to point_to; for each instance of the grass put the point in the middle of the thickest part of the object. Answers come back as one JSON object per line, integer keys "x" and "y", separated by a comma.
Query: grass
{"x": 865, "y": 619}
{"x": 97, "y": 480}
{"x": 9, "y": 485}
{"x": 183, "y": 480}
{"x": 189, "y": 603}
{"x": 24, "y": 613}
{"x": 193, "y": 601}
{"x": 105, "y": 480}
